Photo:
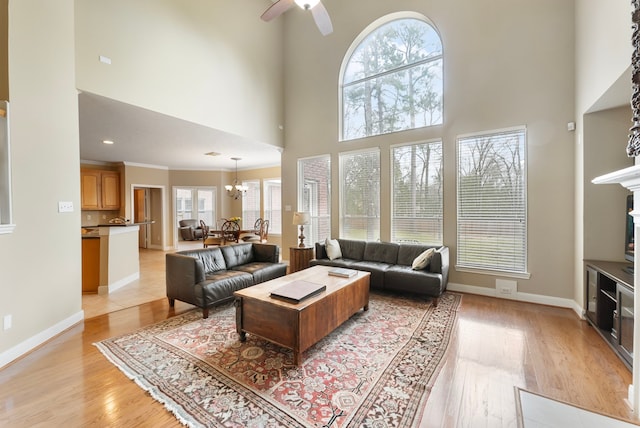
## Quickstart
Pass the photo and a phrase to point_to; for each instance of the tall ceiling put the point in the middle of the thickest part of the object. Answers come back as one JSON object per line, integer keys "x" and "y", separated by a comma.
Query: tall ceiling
{"x": 145, "y": 137}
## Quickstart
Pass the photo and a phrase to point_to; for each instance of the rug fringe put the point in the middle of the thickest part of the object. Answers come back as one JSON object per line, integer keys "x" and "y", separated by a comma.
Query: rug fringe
{"x": 169, "y": 404}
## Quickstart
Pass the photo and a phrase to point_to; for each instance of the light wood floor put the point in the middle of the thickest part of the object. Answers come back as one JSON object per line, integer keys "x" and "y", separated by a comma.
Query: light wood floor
{"x": 496, "y": 345}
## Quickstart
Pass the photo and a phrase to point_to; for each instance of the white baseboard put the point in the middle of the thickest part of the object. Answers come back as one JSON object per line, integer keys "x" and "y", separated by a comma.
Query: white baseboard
{"x": 519, "y": 296}
{"x": 106, "y": 289}
{"x": 40, "y": 338}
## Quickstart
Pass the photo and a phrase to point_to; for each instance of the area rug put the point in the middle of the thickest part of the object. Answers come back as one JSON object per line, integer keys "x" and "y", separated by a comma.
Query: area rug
{"x": 375, "y": 370}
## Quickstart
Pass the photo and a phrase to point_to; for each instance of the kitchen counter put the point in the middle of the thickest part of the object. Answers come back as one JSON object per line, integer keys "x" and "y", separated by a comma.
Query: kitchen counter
{"x": 116, "y": 251}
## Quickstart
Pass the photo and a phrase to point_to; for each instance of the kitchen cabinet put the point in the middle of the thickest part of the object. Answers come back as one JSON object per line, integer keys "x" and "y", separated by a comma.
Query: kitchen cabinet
{"x": 100, "y": 190}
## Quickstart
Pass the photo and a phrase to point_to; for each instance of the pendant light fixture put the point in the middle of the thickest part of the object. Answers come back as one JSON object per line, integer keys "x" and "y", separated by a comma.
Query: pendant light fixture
{"x": 236, "y": 189}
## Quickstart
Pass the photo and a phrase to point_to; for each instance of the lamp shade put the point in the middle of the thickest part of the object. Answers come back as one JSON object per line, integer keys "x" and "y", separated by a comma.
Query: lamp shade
{"x": 300, "y": 218}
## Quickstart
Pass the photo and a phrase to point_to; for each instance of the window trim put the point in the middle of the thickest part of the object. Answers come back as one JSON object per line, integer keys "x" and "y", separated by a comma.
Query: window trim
{"x": 525, "y": 274}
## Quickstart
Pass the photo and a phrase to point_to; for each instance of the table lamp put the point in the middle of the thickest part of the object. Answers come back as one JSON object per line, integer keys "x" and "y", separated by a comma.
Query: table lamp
{"x": 300, "y": 219}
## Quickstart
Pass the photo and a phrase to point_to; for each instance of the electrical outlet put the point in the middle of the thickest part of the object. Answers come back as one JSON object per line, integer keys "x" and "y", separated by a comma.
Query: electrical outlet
{"x": 8, "y": 322}
{"x": 65, "y": 207}
{"x": 88, "y": 216}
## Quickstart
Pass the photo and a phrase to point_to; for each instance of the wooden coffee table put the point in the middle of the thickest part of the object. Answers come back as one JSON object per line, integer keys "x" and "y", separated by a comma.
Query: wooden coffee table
{"x": 299, "y": 326}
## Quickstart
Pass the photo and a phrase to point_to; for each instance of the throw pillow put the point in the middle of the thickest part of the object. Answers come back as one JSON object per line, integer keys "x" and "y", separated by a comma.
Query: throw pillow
{"x": 423, "y": 260}
{"x": 332, "y": 246}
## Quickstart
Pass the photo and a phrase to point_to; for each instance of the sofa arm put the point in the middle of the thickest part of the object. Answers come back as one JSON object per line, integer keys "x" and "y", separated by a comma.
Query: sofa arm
{"x": 440, "y": 263}
{"x": 182, "y": 274}
{"x": 269, "y": 253}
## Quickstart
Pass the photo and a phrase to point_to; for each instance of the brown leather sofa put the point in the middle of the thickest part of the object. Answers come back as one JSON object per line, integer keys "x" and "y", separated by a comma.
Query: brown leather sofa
{"x": 207, "y": 277}
{"x": 190, "y": 230}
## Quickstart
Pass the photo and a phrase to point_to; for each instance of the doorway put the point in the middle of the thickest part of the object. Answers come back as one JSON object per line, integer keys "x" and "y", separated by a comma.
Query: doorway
{"x": 147, "y": 212}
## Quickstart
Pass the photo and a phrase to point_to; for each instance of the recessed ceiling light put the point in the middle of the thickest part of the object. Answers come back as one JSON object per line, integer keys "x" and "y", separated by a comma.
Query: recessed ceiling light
{"x": 213, "y": 154}
{"x": 107, "y": 142}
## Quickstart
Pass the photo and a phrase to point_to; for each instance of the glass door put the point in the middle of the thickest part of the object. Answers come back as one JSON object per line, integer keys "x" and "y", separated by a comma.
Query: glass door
{"x": 625, "y": 318}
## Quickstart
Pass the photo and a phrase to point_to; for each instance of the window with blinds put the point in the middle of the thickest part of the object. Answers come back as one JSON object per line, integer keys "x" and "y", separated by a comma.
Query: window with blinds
{"x": 492, "y": 201}
{"x": 273, "y": 205}
{"x": 416, "y": 178}
{"x": 360, "y": 195}
{"x": 250, "y": 203}
{"x": 314, "y": 196}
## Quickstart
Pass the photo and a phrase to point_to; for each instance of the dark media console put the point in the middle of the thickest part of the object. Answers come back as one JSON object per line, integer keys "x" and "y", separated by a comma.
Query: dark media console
{"x": 609, "y": 304}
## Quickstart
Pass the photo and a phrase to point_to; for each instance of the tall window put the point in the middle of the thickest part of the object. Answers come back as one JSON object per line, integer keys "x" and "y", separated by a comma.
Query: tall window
{"x": 392, "y": 80}
{"x": 273, "y": 205}
{"x": 250, "y": 203}
{"x": 416, "y": 214}
{"x": 196, "y": 203}
{"x": 360, "y": 195}
{"x": 492, "y": 201}
{"x": 314, "y": 196}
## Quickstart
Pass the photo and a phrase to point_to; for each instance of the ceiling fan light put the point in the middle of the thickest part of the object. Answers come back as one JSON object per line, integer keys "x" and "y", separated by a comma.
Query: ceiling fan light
{"x": 307, "y": 4}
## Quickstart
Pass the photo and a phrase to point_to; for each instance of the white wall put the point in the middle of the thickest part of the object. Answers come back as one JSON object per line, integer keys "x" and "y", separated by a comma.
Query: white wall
{"x": 211, "y": 62}
{"x": 40, "y": 277}
{"x": 506, "y": 64}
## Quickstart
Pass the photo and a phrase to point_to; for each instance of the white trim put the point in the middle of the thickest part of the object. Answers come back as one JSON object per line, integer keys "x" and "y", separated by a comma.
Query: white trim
{"x": 7, "y": 228}
{"x": 539, "y": 299}
{"x": 40, "y": 338}
{"x": 106, "y": 289}
{"x": 519, "y": 275}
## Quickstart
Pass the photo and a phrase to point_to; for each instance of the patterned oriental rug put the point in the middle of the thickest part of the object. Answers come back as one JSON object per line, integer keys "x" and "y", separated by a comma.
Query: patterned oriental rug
{"x": 375, "y": 370}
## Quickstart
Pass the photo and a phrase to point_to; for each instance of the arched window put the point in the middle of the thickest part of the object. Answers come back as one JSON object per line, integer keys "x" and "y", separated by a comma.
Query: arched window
{"x": 392, "y": 79}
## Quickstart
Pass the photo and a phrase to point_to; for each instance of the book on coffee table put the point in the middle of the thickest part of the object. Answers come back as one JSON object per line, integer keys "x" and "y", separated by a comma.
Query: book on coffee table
{"x": 297, "y": 291}
{"x": 342, "y": 272}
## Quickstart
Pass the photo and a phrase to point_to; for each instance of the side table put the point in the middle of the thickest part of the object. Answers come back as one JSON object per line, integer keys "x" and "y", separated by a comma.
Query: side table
{"x": 299, "y": 258}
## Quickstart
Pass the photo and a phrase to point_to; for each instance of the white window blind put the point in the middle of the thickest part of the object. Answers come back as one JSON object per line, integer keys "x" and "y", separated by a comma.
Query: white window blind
{"x": 251, "y": 204}
{"x": 360, "y": 195}
{"x": 416, "y": 214}
{"x": 273, "y": 205}
{"x": 492, "y": 203}
{"x": 314, "y": 196}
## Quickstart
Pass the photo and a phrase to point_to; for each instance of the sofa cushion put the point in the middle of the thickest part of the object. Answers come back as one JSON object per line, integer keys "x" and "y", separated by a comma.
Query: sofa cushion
{"x": 332, "y": 247}
{"x": 377, "y": 270}
{"x": 423, "y": 259}
{"x": 221, "y": 285}
{"x": 263, "y": 271}
{"x": 352, "y": 249}
{"x": 384, "y": 252}
{"x": 237, "y": 254}
{"x": 211, "y": 258}
{"x": 337, "y": 262}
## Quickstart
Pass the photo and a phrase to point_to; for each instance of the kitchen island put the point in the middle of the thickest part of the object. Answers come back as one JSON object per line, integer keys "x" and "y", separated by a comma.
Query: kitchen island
{"x": 117, "y": 260}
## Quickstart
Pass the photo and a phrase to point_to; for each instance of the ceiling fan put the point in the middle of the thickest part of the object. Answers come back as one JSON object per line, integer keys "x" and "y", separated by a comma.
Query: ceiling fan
{"x": 319, "y": 12}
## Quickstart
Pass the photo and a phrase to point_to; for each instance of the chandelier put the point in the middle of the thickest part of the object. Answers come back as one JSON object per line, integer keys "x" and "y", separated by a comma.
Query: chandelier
{"x": 236, "y": 189}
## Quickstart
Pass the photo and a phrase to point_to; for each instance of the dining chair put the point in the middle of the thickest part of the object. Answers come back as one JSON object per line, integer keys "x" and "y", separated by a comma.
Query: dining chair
{"x": 208, "y": 238}
{"x": 230, "y": 231}
{"x": 264, "y": 231}
{"x": 256, "y": 233}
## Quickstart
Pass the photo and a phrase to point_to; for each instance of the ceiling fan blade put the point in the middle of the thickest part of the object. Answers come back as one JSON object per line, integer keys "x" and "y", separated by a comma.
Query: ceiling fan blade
{"x": 276, "y": 9}
{"x": 321, "y": 16}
